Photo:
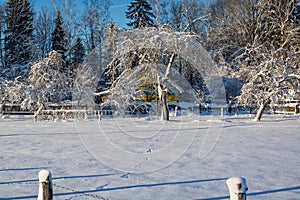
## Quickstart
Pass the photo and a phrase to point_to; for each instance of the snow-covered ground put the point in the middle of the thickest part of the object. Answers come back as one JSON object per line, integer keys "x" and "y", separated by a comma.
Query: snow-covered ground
{"x": 189, "y": 157}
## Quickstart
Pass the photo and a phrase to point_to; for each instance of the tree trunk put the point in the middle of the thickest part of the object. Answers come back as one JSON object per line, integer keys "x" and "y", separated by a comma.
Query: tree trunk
{"x": 165, "y": 110}
{"x": 163, "y": 91}
{"x": 260, "y": 110}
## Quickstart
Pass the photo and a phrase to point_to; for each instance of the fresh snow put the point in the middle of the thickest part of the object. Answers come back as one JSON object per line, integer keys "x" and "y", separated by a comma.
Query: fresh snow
{"x": 189, "y": 157}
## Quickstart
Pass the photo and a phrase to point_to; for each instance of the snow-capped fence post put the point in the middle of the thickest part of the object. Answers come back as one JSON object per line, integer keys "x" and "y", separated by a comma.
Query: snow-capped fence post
{"x": 45, "y": 185}
{"x": 222, "y": 112}
{"x": 237, "y": 188}
{"x": 99, "y": 115}
{"x": 175, "y": 111}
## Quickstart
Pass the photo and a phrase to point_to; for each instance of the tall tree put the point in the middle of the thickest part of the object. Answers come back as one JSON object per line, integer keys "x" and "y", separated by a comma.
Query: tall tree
{"x": 19, "y": 32}
{"x": 58, "y": 36}
{"x": 176, "y": 15}
{"x": 272, "y": 62}
{"x": 194, "y": 15}
{"x": 277, "y": 25}
{"x": 157, "y": 9}
{"x": 187, "y": 16}
{"x": 230, "y": 27}
{"x": 44, "y": 25}
{"x": 95, "y": 21}
{"x": 71, "y": 25}
{"x": 78, "y": 52}
{"x": 259, "y": 43}
{"x": 161, "y": 10}
{"x": 140, "y": 14}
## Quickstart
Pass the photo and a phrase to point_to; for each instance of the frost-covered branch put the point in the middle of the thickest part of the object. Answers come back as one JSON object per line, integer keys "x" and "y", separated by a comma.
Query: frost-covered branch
{"x": 166, "y": 76}
{"x": 193, "y": 22}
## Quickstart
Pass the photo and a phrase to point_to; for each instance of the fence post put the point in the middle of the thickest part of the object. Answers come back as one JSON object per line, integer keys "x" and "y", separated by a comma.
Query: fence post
{"x": 237, "y": 188}
{"x": 45, "y": 185}
{"x": 99, "y": 115}
{"x": 222, "y": 112}
{"x": 175, "y": 111}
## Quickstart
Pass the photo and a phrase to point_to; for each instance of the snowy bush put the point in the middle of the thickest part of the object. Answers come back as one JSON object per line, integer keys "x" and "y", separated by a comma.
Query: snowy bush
{"x": 46, "y": 82}
{"x": 12, "y": 91}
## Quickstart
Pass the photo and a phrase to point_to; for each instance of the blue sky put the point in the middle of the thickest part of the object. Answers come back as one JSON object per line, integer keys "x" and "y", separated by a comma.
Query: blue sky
{"x": 117, "y": 10}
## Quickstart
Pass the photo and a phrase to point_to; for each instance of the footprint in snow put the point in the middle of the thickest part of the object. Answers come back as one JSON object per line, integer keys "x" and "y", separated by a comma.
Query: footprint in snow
{"x": 125, "y": 175}
{"x": 102, "y": 187}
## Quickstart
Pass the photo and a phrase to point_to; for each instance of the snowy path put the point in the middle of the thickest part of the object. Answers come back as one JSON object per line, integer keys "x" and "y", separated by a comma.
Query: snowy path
{"x": 188, "y": 158}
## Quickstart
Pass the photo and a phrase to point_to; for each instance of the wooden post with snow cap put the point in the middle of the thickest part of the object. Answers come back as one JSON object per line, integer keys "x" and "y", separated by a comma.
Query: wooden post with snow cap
{"x": 237, "y": 188}
{"x": 45, "y": 185}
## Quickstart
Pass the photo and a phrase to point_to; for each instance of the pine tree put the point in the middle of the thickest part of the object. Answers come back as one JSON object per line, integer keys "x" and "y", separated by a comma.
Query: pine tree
{"x": 139, "y": 12}
{"x": 78, "y": 52}
{"x": 58, "y": 36}
{"x": 18, "y": 39}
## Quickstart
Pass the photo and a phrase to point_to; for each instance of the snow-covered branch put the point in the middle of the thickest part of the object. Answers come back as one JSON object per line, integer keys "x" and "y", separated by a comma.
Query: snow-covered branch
{"x": 171, "y": 61}
{"x": 193, "y": 22}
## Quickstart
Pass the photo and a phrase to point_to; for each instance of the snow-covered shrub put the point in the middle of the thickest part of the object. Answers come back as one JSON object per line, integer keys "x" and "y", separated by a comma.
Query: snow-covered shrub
{"x": 46, "y": 82}
{"x": 12, "y": 91}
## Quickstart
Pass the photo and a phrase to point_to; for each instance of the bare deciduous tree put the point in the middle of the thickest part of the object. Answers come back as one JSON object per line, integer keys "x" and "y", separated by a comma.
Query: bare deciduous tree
{"x": 94, "y": 21}
{"x": 43, "y": 27}
{"x": 270, "y": 64}
{"x": 171, "y": 61}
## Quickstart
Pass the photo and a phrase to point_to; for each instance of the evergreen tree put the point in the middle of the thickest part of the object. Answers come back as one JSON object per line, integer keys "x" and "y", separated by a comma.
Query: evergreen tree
{"x": 78, "y": 52}
{"x": 18, "y": 39}
{"x": 58, "y": 36}
{"x": 139, "y": 12}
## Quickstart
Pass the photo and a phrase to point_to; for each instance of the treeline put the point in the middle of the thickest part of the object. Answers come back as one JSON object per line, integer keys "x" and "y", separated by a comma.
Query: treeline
{"x": 225, "y": 26}
{"x": 28, "y": 35}
{"x": 255, "y": 42}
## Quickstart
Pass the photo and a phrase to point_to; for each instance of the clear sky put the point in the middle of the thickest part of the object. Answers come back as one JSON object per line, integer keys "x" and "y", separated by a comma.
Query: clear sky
{"x": 117, "y": 10}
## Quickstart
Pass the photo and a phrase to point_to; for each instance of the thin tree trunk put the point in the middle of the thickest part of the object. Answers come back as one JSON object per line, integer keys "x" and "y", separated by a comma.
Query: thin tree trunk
{"x": 260, "y": 110}
{"x": 165, "y": 109}
{"x": 163, "y": 91}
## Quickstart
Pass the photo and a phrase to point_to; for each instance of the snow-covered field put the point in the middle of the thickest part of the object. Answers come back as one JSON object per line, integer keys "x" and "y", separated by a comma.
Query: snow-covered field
{"x": 189, "y": 157}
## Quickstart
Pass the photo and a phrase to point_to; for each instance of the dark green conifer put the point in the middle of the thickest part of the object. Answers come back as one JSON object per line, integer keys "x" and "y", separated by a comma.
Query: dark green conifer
{"x": 18, "y": 39}
{"x": 140, "y": 15}
{"x": 58, "y": 36}
{"x": 78, "y": 52}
